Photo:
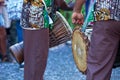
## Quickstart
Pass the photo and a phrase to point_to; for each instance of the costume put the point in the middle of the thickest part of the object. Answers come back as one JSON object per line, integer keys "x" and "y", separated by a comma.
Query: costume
{"x": 103, "y": 48}
{"x": 104, "y": 41}
{"x": 36, "y": 45}
{"x": 36, "y": 39}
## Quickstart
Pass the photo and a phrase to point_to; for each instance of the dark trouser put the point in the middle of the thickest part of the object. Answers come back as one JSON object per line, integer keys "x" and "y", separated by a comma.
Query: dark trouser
{"x": 12, "y": 33}
{"x": 3, "y": 41}
{"x": 11, "y": 37}
{"x": 36, "y": 46}
{"x": 103, "y": 48}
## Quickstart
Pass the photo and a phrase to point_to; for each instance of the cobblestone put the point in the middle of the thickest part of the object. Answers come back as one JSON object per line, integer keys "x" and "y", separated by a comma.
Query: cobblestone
{"x": 60, "y": 66}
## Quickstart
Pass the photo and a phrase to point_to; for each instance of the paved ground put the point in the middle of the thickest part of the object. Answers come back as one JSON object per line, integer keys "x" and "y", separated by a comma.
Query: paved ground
{"x": 60, "y": 66}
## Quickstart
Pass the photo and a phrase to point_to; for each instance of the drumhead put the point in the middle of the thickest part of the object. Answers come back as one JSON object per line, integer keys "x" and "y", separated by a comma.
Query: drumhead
{"x": 79, "y": 49}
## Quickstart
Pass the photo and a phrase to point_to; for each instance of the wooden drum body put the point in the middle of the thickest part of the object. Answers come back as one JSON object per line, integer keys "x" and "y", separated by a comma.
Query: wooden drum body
{"x": 61, "y": 31}
{"x": 17, "y": 52}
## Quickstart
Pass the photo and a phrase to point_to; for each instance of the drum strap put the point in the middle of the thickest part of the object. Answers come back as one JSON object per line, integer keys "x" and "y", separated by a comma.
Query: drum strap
{"x": 89, "y": 12}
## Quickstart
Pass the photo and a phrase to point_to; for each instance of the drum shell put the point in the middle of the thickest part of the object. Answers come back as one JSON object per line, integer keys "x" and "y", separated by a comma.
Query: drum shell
{"x": 61, "y": 31}
{"x": 17, "y": 51}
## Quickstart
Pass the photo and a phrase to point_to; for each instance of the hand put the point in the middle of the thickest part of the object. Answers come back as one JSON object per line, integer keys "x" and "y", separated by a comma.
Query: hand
{"x": 77, "y": 18}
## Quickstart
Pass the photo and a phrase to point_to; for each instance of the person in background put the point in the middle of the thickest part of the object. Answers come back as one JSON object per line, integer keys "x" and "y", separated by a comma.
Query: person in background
{"x": 105, "y": 37}
{"x": 15, "y": 32}
{"x": 3, "y": 37}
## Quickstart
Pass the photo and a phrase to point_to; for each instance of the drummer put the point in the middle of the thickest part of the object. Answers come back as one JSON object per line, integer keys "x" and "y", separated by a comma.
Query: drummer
{"x": 36, "y": 44}
{"x": 105, "y": 37}
{"x": 58, "y": 5}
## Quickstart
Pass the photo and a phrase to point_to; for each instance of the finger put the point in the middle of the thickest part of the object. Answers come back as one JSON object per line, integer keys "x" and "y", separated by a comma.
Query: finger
{"x": 82, "y": 21}
{"x": 77, "y": 21}
{"x": 73, "y": 21}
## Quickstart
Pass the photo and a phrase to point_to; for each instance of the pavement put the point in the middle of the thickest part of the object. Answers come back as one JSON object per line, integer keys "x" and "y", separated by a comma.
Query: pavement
{"x": 60, "y": 66}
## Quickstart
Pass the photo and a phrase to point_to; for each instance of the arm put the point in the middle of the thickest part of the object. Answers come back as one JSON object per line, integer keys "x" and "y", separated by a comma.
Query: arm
{"x": 6, "y": 17}
{"x": 1, "y": 1}
{"x": 62, "y": 5}
{"x": 78, "y": 5}
{"x": 77, "y": 16}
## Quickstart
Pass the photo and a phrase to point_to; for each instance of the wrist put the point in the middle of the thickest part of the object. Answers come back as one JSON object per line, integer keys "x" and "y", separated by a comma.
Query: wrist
{"x": 77, "y": 10}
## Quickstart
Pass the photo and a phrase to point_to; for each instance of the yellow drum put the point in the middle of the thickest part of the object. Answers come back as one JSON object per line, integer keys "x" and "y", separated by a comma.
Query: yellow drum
{"x": 80, "y": 44}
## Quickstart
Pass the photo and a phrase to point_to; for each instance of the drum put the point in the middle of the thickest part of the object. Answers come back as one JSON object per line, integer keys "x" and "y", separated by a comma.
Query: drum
{"x": 17, "y": 52}
{"x": 60, "y": 33}
{"x": 80, "y": 45}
